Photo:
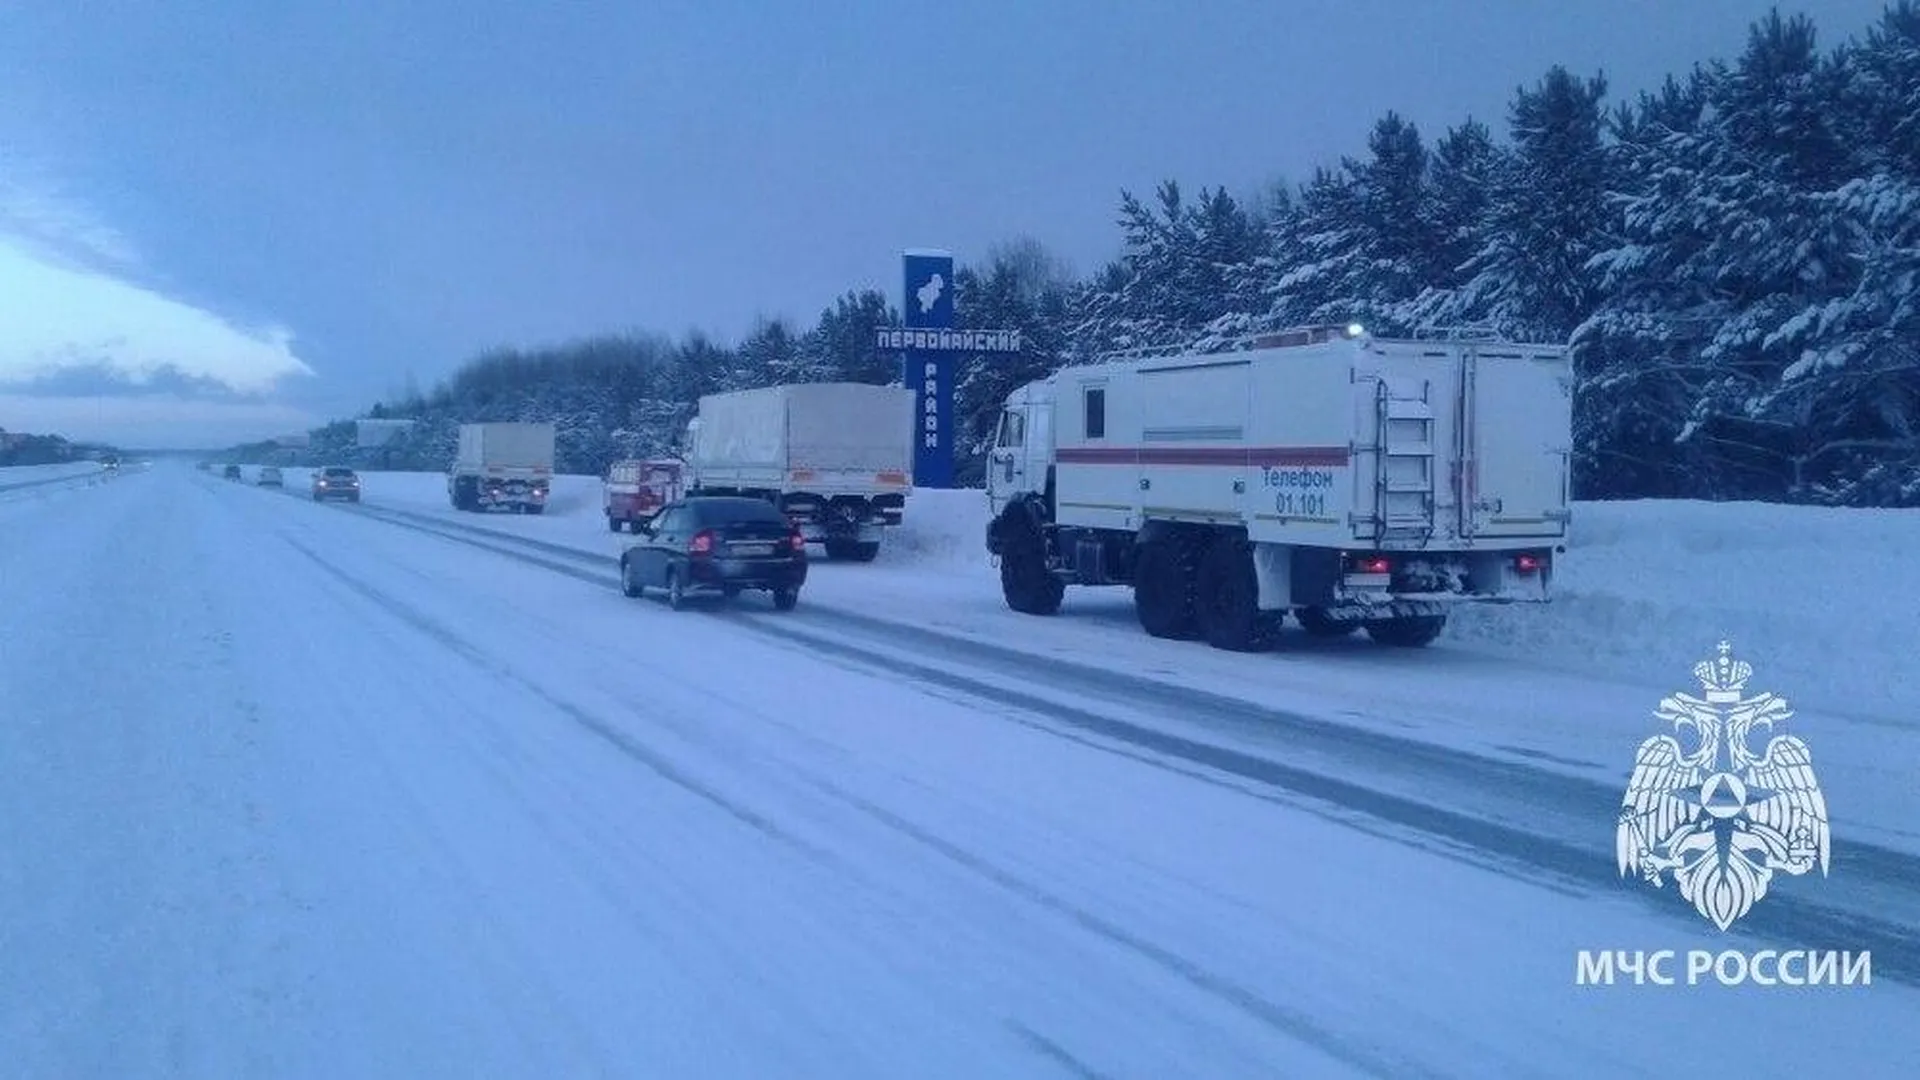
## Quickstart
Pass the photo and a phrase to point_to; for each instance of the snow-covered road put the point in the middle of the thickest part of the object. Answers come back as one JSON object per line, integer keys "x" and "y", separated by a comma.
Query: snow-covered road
{"x": 300, "y": 790}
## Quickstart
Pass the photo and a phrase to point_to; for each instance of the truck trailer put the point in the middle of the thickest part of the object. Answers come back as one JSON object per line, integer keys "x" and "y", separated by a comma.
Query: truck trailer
{"x": 502, "y": 465}
{"x": 836, "y": 458}
{"x": 1353, "y": 481}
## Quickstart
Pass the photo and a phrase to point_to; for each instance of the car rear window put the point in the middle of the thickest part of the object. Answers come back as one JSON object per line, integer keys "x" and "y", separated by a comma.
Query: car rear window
{"x": 720, "y": 512}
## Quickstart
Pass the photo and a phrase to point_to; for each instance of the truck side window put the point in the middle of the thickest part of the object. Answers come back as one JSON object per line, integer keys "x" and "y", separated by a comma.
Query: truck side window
{"x": 1013, "y": 429}
{"x": 1096, "y": 414}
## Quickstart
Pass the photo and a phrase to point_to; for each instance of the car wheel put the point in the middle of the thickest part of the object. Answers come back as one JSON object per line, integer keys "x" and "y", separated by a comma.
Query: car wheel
{"x": 785, "y": 599}
{"x": 630, "y": 584}
{"x": 676, "y": 591}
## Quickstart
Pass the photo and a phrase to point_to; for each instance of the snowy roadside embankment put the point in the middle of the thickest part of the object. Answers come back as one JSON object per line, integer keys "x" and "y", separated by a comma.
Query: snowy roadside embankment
{"x": 19, "y": 476}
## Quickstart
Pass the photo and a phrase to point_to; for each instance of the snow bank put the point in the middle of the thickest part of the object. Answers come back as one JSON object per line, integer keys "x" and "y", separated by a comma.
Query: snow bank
{"x": 1821, "y": 601}
{"x": 20, "y": 475}
{"x": 944, "y": 529}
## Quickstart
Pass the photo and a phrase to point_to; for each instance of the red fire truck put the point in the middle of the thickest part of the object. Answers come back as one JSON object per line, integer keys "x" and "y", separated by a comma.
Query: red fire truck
{"x": 633, "y": 491}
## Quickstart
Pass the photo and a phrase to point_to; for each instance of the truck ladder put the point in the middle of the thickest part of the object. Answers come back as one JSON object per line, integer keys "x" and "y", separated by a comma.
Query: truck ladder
{"x": 1404, "y": 464}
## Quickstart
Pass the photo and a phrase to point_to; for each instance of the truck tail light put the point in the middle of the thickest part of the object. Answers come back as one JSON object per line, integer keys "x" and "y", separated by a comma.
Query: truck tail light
{"x": 797, "y": 541}
{"x": 1371, "y": 564}
{"x": 701, "y": 544}
{"x": 1528, "y": 563}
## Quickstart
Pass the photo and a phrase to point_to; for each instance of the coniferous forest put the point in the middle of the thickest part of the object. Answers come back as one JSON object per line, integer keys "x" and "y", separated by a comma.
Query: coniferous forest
{"x": 1735, "y": 258}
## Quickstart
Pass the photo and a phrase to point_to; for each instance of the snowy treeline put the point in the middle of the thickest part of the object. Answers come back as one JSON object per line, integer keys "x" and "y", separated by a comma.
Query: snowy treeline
{"x": 1734, "y": 258}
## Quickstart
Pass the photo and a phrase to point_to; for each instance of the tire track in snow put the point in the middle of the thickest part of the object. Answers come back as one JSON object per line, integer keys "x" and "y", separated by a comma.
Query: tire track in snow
{"x": 1893, "y": 877}
{"x": 618, "y": 739}
{"x": 1296, "y": 1025}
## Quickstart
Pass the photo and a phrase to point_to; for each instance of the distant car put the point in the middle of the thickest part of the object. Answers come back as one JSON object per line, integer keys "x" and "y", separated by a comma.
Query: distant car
{"x": 336, "y": 482}
{"x": 270, "y": 477}
{"x": 723, "y": 544}
{"x": 232, "y": 472}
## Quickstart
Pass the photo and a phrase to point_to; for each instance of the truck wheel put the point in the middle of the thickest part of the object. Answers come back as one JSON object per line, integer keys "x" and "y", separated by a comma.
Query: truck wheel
{"x": 1163, "y": 588}
{"x": 536, "y": 510}
{"x": 865, "y": 551}
{"x": 1408, "y": 633}
{"x": 1316, "y": 622}
{"x": 613, "y": 524}
{"x": 1228, "y": 599}
{"x": 785, "y": 599}
{"x": 1024, "y": 580}
{"x": 630, "y": 585}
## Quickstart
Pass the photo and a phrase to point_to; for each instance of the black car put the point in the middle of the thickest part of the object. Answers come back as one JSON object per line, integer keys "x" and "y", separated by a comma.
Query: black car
{"x": 336, "y": 482}
{"x": 231, "y": 472}
{"x": 709, "y": 544}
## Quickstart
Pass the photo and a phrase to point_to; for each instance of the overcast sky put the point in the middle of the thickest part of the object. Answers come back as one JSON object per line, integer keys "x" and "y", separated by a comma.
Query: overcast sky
{"x": 271, "y": 213}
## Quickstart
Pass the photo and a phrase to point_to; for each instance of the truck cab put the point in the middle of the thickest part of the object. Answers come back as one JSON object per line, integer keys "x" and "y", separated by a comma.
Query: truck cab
{"x": 1022, "y": 455}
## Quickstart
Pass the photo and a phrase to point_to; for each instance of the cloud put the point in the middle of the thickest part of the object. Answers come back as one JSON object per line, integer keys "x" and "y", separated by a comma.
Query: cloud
{"x": 96, "y": 379}
{"x": 60, "y": 317}
{"x": 37, "y": 215}
{"x": 72, "y": 312}
{"x": 153, "y": 422}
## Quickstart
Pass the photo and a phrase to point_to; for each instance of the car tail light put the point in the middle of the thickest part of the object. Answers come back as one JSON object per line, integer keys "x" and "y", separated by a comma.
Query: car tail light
{"x": 797, "y": 541}
{"x": 702, "y": 543}
{"x": 1527, "y": 562}
{"x": 1372, "y": 564}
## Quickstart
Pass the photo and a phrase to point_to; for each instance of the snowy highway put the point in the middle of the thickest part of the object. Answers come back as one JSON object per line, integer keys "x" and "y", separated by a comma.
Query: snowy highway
{"x": 332, "y": 790}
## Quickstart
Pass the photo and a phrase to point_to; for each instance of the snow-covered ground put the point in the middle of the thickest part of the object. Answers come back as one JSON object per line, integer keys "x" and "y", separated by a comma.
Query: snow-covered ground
{"x": 338, "y": 791}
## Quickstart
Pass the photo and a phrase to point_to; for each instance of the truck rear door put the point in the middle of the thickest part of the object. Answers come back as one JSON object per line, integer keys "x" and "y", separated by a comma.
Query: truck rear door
{"x": 1516, "y": 441}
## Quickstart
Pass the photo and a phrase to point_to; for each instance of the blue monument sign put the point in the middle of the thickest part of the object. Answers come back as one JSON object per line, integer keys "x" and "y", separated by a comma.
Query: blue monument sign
{"x": 930, "y": 349}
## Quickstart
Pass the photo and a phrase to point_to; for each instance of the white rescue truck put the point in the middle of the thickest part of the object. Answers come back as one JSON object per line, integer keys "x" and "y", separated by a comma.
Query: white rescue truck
{"x": 1355, "y": 481}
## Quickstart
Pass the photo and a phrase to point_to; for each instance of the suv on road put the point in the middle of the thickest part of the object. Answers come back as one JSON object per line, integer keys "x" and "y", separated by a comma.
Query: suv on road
{"x": 336, "y": 482}
{"x": 270, "y": 477}
{"x": 717, "y": 544}
{"x": 231, "y": 472}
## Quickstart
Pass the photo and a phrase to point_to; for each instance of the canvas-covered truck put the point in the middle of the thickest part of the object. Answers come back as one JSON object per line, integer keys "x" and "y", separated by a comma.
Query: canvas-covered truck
{"x": 633, "y": 491}
{"x": 837, "y": 458}
{"x": 502, "y": 466}
{"x": 1351, "y": 480}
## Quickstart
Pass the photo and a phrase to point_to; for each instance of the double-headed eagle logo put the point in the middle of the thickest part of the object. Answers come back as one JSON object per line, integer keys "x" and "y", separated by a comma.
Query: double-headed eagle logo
{"x": 1722, "y": 820}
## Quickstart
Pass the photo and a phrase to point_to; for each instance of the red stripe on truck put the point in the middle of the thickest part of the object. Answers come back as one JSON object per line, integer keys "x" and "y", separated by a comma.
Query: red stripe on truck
{"x": 1242, "y": 456}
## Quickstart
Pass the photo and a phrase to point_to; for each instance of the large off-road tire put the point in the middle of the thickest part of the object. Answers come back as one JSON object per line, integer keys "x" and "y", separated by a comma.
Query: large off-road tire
{"x": 1024, "y": 580}
{"x": 1412, "y": 632}
{"x": 1164, "y": 586}
{"x": 1316, "y": 622}
{"x": 1227, "y": 599}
